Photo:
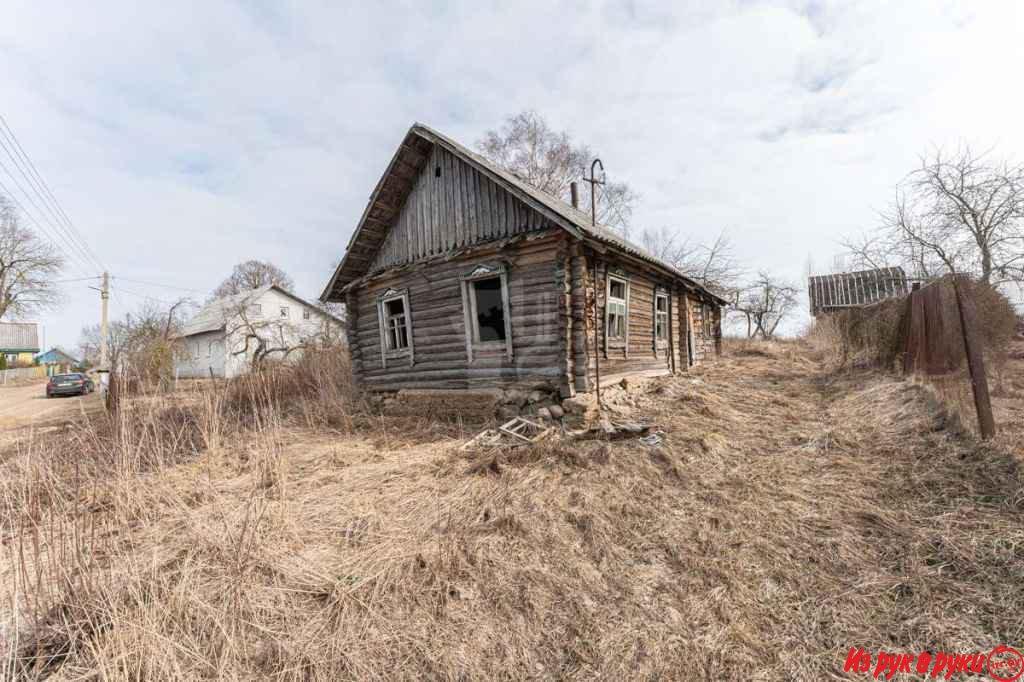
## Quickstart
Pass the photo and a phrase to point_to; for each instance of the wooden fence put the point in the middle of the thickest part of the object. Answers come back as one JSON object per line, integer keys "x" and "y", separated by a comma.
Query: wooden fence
{"x": 933, "y": 333}
{"x": 21, "y": 373}
{"x": 942, "y": 343}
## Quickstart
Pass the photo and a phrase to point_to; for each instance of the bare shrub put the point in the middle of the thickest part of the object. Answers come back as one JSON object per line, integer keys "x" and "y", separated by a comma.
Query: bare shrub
{"x": 317, "y": 389}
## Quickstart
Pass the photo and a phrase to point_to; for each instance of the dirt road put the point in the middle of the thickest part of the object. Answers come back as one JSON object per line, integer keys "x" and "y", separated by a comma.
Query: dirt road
{"x": 24, "y": 405}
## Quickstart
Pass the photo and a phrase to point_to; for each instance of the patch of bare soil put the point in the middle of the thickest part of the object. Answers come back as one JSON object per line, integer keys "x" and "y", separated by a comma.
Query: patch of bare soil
{"x": 788, "y": 516}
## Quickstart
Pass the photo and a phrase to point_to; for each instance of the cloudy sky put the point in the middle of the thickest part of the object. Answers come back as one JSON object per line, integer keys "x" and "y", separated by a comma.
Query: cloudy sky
{"x": 182, "y": 138}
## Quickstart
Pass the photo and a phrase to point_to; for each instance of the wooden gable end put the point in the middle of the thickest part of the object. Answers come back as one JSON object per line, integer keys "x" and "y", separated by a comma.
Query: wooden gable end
{"x": 452, "y": 205}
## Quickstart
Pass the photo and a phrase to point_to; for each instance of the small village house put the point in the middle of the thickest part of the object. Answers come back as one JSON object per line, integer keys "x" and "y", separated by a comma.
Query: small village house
{"x": 57, "y": 361}
{"x": 19, "y": 343}
{"x": 461, "y": 275}
{"x": 229, "y": 334}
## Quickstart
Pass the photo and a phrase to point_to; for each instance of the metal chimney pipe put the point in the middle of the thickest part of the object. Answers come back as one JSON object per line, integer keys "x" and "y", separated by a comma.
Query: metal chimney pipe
{"x": 575, "y": 191}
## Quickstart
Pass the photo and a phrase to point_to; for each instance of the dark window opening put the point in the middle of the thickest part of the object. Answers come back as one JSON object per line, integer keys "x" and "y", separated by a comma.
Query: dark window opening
{"x": 490, "y": 310}
{"x": 395, "y": 327}
{"x": 437, "y": 172}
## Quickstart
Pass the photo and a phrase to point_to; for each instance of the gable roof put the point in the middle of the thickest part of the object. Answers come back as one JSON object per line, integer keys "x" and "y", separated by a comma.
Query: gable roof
{"x": 214, "y": 315}
{"x": 850, "y": 289}
{"x": 393, "y": 188}
{"x": 56, "y": 355}
{"x": 23, "y": 336}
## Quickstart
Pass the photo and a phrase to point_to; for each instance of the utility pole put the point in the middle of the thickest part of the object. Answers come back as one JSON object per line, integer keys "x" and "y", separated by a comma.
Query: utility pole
{"x": 104, "y": 297}
{"x": 104, "y": 350}
{"x": 594, "y": 182}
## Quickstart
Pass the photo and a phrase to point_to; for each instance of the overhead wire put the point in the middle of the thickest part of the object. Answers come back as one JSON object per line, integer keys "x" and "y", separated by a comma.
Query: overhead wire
{"x": 43, "y": 190}
{"x": 56, "y": 242}
{"x": 156, "y": 284}
{"x": 135, "y": 293}
{"x": 56, "y": 236}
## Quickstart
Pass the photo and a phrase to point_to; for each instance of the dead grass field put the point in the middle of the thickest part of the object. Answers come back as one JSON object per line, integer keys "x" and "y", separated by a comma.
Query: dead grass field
{"x": 791, "y": 514}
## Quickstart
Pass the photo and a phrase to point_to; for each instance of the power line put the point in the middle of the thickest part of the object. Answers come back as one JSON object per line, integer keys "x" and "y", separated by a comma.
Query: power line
{"x": 155, "y": 284}
{"x": 42, "y": 228}
{"x": 71, "y": 229}
{"x": 61, "y": 239}
{"x": 135, "y": 293}
{"x": 79, "y": 279}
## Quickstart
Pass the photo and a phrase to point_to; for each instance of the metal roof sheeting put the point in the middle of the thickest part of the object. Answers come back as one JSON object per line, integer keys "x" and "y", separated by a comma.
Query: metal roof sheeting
{"x": 214, "y": 315}
{"x": 22, "y": 336}
{"x": 572, "y": 219}
{"x": 852, "y": 289}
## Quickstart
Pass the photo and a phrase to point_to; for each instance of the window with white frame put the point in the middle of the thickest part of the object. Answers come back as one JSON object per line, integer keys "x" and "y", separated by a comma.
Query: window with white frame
{"x": 255, "y": 309}
{"x": 661, "y": 317}
{"x": 486, "y": 310}
{"x": 284, "y": 311}
{"x": 395, "y": 319}
{"x": 396, "y": 325}
{"x": 305, "y": 313}
{"x": 617, "y": 309}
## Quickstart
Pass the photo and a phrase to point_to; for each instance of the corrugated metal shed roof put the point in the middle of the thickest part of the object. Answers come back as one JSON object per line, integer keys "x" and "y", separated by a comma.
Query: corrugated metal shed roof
{"x": 851, "y": 289}
{"x": 22, "y": 336}
{"x": 397, "y": 180}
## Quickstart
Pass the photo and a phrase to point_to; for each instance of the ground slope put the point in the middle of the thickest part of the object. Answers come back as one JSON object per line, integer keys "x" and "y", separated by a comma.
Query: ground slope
{"x": 790, "y": 515}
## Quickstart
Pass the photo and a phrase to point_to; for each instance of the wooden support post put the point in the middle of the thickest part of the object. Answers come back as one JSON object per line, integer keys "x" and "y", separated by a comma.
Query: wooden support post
{"x": 975, "y": 362}
{"x": 578, "y": 299}
{"x": 352, "y": 335}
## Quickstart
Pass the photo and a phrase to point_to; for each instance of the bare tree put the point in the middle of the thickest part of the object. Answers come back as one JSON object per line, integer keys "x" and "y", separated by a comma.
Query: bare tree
{"x": 252, "y": 274}
{"x": 765, "y": 302}
{"x": 959, "y": 212}
{"x": 549, "y": 160}
{"x": 143, "y": 344}
{"x": 258, "y": 338}
{"x": 713, "y": 264}
{"x": 28, "y": 268}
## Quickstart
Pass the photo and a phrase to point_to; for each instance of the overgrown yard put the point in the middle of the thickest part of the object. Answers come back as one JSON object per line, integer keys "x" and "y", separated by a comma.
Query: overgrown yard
{"x": 791, "y": 513}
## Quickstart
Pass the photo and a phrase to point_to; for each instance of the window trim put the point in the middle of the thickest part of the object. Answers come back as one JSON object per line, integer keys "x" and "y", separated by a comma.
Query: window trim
{"x": 284, "y": 312}
{"x": 660, "y": 342}
{"x": 616, "y": 342}
{"x": 471, "y": 331}
{"x": 385, "y": 352}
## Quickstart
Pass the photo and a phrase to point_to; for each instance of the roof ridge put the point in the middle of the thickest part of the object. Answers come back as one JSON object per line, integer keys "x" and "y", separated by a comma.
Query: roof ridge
{"x": 570, "y": 218}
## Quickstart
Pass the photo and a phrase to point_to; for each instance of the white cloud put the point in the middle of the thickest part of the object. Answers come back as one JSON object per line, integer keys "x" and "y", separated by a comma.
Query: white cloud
{"x": 184, "y": 138}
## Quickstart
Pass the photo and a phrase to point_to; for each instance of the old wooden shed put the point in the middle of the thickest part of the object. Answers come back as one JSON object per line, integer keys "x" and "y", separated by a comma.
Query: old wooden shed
{"x": 829, "y": 293}
{"x": 461, "y": 275}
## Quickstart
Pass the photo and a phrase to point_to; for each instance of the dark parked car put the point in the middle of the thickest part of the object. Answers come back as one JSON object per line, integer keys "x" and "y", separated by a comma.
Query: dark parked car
{"x": 69, "y": 384}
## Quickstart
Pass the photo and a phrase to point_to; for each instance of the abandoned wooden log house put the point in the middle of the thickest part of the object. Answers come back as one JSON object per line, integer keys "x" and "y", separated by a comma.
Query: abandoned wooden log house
{"x": 460, "y": 275}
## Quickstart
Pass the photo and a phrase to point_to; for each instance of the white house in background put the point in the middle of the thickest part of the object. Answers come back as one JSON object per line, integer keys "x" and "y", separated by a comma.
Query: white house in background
{"x": 222, "y": 339}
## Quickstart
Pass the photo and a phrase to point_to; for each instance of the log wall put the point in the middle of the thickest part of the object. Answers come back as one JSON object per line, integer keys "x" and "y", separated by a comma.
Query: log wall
{"x": 538, "y": 305}
{"x": 640, "y": 353}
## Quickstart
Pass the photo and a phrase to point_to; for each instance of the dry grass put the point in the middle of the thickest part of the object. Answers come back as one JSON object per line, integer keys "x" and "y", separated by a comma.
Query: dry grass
{"x": 791, "y": 514}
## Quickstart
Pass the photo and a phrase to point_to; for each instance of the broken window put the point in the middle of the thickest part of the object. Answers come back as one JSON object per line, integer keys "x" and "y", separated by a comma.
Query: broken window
{"x": 661, "y": 317}
{"x": 617, "y": 310}
{"x": 489, "y": 309}
{"x": 396, "y": 331}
